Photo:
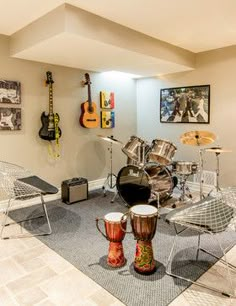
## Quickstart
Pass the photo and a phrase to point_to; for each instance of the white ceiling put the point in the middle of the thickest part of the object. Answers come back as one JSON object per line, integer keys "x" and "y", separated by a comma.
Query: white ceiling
{"x": 195, "y": 25}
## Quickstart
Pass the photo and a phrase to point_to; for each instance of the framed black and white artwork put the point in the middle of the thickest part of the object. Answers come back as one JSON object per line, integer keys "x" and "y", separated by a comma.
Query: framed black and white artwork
{"x": 189, "y": 104}
{"x": 10, "y": 92}
{"x": 10, "y": 118}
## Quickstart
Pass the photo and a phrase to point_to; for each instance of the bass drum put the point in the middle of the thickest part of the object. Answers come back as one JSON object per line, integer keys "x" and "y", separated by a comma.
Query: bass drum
{"x": 138, "y": 185}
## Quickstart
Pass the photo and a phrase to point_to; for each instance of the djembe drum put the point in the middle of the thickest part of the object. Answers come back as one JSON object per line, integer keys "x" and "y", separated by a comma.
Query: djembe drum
{"x": 114, "y": 234}
{"x": 143, "y": 220}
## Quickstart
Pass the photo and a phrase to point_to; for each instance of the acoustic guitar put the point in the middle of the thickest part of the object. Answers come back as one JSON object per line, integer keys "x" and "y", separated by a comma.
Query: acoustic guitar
{"x": 89, "y": 118}
{"x": 50, "y": 129}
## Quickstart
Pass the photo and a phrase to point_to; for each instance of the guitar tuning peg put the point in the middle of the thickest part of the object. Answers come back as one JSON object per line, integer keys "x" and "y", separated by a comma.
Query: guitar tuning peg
{"x": 45, "y": 83}
{"x": 83, "y": 83}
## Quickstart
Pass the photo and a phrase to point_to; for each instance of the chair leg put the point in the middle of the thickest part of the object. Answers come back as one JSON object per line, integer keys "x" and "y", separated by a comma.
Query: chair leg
{"x": 233, "y": 267}
{"x": 46, "y": 215}
{"x": 198, "y": 245}
{"x": 169, "y": 272}
{"x": 4, "y": 223}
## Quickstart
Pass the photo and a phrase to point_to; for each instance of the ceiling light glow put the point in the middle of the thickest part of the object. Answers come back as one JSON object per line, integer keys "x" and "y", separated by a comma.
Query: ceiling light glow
{"x": 119, "y": 74}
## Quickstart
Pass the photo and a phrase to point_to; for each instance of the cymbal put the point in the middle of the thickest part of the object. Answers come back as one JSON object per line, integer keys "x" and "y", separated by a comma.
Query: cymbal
{"x": 197, "y": 138}
{"x": 110, "y": 139}
{"x": 218, "y": 150}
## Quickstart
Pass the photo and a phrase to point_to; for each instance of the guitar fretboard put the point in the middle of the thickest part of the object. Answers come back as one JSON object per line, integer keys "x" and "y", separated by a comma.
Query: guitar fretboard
{"x": 50, "y": 99}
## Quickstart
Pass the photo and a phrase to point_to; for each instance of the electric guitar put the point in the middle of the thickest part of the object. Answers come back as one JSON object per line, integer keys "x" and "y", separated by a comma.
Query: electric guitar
{"x": 50, "y": 129}
{"x": 89, "y": 118}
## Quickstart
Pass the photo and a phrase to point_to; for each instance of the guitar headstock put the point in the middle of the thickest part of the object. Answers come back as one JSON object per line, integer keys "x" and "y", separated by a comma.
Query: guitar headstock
{"x": 87, "y": 79}
{"x": 49, "y": 78}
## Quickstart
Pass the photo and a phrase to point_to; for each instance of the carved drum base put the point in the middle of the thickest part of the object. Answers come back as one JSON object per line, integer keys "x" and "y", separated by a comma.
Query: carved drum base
{"x": 144, "y": 262}
{"x": 116, "y": 256}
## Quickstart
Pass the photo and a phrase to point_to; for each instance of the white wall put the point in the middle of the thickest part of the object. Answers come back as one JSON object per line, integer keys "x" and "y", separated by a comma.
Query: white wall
{"x": 217, "y": 68}
{"x": 82, "y": 152}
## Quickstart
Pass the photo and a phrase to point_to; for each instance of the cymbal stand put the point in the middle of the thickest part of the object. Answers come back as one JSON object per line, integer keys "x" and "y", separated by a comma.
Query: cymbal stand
{"x": 217, "y": 171}
{"x": 111, "y": 177}
{"x": 217, "y": 187}
{"x": 201, "y": 173}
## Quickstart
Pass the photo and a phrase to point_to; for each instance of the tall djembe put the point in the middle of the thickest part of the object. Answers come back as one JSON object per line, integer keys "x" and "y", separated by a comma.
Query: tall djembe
{"x": 143, "y": 220}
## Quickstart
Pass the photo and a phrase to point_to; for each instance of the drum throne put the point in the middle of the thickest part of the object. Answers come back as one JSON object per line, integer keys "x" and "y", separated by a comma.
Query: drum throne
{"x": 18, "y": 185}
{"x": 212, "y": 215}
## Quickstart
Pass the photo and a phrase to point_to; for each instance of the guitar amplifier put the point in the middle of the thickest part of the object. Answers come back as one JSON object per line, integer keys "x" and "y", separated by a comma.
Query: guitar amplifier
{"x": 74, "y": 190}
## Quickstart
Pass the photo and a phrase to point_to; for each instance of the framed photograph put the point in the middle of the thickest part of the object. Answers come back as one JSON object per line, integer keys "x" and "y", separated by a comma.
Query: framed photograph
{"x": 107, "y": 99}
{"x": 10, "y": 92}
{"x": 10, "y": 118}
{"x": 107, "y": 119}
{"x": 189, "y": 104}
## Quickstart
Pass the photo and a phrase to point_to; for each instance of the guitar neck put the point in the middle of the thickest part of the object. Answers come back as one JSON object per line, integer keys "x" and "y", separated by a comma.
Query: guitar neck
{"x": 89, "y": 96}
{"x": 50, "y": 99}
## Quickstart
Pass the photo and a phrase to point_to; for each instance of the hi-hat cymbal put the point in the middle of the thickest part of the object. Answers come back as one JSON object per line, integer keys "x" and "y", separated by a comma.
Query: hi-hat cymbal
{"x": 110, "y": 139}
{"x": 197, "y": 138}
{"x": 218, "y": 150}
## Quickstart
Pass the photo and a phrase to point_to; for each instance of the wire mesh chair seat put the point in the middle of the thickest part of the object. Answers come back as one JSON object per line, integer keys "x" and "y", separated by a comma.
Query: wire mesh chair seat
{"x": 212, "y": 215}
{"x": 18, "y": 184}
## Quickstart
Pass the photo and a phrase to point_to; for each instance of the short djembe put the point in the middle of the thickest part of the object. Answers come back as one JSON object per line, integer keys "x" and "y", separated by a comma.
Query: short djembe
{"x": 114, "y": 234}
{"x": 143, "y": 220}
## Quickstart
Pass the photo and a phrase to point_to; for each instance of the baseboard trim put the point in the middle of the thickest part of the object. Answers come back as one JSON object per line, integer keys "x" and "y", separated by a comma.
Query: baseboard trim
{"x": 92, "y": 185}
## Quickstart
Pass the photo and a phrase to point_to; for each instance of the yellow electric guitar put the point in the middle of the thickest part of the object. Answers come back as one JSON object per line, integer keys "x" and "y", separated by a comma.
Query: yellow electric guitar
{"x": 89, "y": 117}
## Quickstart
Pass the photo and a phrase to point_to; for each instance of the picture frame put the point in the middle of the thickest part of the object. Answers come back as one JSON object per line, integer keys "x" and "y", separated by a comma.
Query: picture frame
{"x": 187, "y": 104}
{"x": 10, "y": 118}
{"x": 107, "y": 99}
{"x": 107, "y": 119}
{"x": 10, "y": 92}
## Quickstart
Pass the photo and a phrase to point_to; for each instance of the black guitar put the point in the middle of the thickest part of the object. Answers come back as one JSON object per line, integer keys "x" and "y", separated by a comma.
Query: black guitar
{"x": 50, "y": 129}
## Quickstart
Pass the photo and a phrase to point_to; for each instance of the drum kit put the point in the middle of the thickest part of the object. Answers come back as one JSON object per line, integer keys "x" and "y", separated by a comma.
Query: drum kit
{"x": 146, "y": 181}
{"x": 150, "y": 174}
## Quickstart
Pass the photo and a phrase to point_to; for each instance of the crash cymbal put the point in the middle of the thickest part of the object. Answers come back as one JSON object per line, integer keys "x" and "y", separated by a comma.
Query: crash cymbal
{"x": 197, "y": 138}
{"x": 110, "y": 139}
{"x": 218, "y": 150}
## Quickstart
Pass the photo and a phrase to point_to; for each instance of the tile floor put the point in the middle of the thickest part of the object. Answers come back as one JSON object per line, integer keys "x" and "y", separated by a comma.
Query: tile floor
{"x": 33, "y": 274}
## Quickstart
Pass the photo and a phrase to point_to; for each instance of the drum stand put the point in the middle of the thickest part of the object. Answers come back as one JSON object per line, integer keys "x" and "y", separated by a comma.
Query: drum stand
{"x": 110, "y": 181}
{"x": 217, "y": 187}
{"x": 186, "y": 195}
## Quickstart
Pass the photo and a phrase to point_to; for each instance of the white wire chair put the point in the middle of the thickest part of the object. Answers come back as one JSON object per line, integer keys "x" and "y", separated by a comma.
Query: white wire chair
{"x": 18, "y": 184}
{"x": 211, "y": 215}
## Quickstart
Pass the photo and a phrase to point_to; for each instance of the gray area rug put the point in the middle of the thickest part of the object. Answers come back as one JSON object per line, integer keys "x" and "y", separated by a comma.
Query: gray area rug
{"x": 75, "y": 237}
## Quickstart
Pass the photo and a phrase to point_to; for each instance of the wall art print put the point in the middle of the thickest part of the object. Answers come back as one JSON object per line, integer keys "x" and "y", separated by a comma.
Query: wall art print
{"x": 10, "y": 118}
{"x": 107, "y": 119}
{"x": 10, "y": 92}
{"x": 107, "y": 99}
{"x": 189, "y": 104}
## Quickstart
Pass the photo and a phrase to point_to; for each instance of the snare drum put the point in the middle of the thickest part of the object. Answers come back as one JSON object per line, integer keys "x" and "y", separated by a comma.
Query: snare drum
{"x": 162, "y": 151}
{"x": 143, "y": 219}
{"x": 136, "y": 149}
{"x": 184, "y": 168}
{"x": 138, "y": 185}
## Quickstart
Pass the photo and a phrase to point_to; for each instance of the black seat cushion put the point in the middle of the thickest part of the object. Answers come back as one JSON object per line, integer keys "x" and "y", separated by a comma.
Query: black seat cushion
{"x": 37, "y": 182}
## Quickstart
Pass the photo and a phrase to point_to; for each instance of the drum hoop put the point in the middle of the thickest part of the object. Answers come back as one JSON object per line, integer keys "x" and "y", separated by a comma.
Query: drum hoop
{"x": 165, "y": 140}
{"x": 136, "y": 137}
{"x": 141, "y": 215}
{"x": 115, "y": 222}
{"x": 145, "y": 216}
{"x": 185, "y": 162}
